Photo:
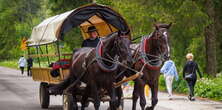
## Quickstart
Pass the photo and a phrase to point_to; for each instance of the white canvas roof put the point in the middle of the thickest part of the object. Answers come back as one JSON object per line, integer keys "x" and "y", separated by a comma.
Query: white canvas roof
{"x": 46, "y": 31}
{"x": 54, "y": 28}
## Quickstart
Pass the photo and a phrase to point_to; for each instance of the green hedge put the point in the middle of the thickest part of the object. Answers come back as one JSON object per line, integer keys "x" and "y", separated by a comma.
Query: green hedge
{"x": 206, "y": 87}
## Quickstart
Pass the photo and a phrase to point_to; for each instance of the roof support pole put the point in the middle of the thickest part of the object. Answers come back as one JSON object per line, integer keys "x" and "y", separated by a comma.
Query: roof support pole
{"x": 46, "y": 46}
{"x": 37, "y": 50}
{"x": 58, "y": 50}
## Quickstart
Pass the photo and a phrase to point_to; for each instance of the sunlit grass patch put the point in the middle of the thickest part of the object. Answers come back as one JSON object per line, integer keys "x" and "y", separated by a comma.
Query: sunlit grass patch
{"x": 10, "y": 64}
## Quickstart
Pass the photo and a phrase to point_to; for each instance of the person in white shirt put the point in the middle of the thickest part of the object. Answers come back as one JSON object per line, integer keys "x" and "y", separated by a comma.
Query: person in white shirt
{"x": 169, "y": 70}
{"x": 22, "y": 63}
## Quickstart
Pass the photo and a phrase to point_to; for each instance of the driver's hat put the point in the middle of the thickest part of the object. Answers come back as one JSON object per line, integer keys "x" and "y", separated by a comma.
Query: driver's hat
{"x": 91, "y": 29}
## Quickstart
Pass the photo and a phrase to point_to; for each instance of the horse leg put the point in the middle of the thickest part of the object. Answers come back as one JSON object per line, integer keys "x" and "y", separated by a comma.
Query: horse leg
{"x": 112, "y": 93}
{"x": 120, "y": 101}
{"x": 95, "y": 93}
{"x": 142, "y": 95}
{"x": 85, "y": 97}
{"x": 154, "y": 91}
{"x": 75, "y": 105}
{"x": 135, "y": 94}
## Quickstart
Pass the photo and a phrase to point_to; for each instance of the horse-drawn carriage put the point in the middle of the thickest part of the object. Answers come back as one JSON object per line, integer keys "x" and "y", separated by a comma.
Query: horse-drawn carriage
{"x": 48, "y": 35}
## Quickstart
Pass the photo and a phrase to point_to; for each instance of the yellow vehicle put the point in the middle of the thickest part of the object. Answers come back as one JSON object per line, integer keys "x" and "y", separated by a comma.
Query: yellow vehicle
{"x": 51, "y": 31}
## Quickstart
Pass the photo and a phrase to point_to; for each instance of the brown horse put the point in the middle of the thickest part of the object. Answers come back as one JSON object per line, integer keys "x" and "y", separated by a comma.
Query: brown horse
{"x": 149, "y": 56}
{"x": 97, "y": 69}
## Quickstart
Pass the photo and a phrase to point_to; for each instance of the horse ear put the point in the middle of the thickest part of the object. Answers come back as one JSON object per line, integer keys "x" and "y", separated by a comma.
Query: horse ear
{"x": 123, "y": 34}
{"x": 169, "y": 25}
{"x": 156, "y": 26}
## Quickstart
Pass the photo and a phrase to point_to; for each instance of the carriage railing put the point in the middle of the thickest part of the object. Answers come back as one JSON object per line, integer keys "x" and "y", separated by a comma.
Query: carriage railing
{"x": 49, "y": 55}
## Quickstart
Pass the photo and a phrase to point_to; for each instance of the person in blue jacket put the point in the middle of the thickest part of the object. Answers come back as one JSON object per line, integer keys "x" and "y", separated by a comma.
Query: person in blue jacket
{"x": 169, "y": 70}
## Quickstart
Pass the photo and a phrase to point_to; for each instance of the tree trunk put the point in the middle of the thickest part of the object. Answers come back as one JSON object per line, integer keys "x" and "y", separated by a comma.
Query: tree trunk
{"x": 210, "y": 38}
{"x": 218, "y": 27}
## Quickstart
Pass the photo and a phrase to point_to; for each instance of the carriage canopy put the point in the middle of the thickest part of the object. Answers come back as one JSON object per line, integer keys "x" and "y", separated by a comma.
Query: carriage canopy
{"x": 104, "y": 18}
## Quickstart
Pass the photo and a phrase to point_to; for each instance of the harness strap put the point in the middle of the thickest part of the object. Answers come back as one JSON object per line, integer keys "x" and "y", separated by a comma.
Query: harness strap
{"x": 80, "y": 77}
{"x": 99, "y": 59}
{"x": 144, "y": 48}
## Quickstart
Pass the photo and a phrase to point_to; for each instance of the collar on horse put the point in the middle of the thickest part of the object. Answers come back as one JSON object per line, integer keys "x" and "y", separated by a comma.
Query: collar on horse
{"x": 99, "y": 59}
{"x": 144, "y": 49}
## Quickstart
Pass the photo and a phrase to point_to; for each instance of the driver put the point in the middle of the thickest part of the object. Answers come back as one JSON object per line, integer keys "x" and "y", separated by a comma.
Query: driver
{"x": 93, "y": 39}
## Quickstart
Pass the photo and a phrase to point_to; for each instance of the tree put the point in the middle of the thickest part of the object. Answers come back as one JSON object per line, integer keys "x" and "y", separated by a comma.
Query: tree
{"x": 16, "y": 22}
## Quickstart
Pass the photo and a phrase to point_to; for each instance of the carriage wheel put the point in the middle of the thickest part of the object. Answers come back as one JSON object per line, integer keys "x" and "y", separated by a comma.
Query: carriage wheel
{"x": 68, "y": 102}
{"x": 44, "y": 95}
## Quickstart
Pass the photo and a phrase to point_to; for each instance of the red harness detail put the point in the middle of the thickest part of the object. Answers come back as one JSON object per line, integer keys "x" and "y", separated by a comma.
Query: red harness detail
{"x": 100, "y": 48}
{"x": 146, "y": 48}
{"x": 100, "y": 51}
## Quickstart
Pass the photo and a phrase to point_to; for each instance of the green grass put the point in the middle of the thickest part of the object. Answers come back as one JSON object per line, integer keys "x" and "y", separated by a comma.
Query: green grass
{"x": 14, "y": 64}
{"x": 9, "y": 63}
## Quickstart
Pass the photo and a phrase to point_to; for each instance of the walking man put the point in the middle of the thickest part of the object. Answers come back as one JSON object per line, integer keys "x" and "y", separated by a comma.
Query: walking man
{"x": 29, "y": 66}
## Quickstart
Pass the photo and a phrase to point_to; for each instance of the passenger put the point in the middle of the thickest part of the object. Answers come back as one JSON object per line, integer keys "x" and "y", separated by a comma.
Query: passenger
{"x": 189, "y": 74}
{"x": 93, "y": 39}
{"x": 169, "y": 70}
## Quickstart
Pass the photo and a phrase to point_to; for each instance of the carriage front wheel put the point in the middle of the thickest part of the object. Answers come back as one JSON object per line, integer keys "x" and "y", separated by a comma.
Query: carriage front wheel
{"x": 44, "y": 95}
{"x": 68, "y": 102}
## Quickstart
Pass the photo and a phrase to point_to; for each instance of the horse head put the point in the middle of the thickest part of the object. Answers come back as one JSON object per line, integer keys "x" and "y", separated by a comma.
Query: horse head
{"x": 160, "y": 41}
{"x": 113, "y": 48}
{"x": 118, "y": 45}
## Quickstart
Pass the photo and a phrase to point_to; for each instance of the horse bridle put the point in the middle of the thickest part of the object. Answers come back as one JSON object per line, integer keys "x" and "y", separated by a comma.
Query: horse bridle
{"x": 162, "y": 34}
{"x": 115, "y": 60}
{"x": 157, "y": 34}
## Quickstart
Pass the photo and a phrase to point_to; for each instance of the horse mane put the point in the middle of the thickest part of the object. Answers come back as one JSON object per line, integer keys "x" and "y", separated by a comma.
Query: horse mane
{"x": 108, "y": 37}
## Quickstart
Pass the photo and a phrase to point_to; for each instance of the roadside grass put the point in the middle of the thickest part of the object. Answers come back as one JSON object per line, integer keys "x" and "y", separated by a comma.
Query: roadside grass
{"x": 14, "y": 64}
{"x": 10, "y": 63}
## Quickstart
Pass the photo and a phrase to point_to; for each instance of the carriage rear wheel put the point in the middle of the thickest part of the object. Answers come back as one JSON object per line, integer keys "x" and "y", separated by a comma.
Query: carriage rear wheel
{"x": 44, "y": 95}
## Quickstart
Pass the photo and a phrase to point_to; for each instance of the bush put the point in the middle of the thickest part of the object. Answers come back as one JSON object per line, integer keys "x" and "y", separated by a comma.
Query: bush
{"x": 209, "y": 88}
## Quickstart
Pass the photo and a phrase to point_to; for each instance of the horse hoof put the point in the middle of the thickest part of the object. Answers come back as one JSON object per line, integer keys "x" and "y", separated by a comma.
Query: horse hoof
{"x": 120, "y": 108}
{"x": 108, "y": 108}
{"x": 149, "y": 108}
